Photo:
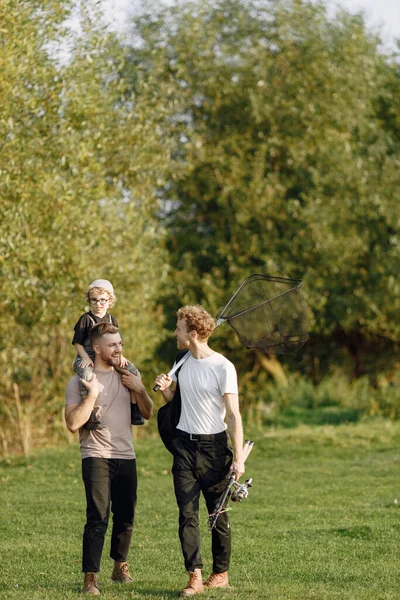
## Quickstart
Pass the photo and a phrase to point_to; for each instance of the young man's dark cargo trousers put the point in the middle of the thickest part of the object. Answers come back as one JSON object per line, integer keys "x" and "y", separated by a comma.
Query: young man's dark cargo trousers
{"x": 201, "y": 464}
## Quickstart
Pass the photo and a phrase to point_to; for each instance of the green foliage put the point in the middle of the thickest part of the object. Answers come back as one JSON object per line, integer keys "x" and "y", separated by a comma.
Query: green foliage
{"x": 230, "y": 137}
{"x": 335, "y": 400}
{"x": 79, "y": 156}
{"x": 288, "y": 158}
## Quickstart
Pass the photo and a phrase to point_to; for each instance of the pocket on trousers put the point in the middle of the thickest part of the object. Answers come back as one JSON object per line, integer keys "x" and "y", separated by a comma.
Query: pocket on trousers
{"x": 223, "y": 449}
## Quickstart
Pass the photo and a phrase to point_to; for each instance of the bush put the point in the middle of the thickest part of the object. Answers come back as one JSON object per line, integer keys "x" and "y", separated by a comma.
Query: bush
{"x": 334, "y": 400}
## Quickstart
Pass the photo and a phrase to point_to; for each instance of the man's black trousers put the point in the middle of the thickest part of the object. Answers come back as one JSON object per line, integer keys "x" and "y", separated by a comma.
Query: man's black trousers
{"x": 108, "y": 482}
{"x": 202, "y": 466}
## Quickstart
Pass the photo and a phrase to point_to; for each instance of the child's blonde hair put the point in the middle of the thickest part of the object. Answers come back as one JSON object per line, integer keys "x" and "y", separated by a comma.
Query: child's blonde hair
{"x": 102, "y": 286}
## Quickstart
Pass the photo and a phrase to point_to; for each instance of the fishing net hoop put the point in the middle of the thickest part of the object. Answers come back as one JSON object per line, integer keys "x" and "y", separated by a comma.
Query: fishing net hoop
{"x": 273, "y": 318}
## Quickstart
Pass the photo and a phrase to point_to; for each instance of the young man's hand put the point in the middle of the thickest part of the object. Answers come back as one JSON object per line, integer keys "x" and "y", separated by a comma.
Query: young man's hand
{"x": 163, "y": 381}
{"x": 237, "y": 468}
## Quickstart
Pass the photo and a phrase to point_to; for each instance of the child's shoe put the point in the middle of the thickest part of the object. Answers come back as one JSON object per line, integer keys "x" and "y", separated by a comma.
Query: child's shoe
{"x": 136, "y": 417}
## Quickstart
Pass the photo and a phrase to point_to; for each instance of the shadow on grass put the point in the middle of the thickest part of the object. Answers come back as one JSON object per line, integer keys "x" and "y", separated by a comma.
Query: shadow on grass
{"x": 358, "y": 532}
{"x": 294, "y": 416}
{"x": 158, "y": 593}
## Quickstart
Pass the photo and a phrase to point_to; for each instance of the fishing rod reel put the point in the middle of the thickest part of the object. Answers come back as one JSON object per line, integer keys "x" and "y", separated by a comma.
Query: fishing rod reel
{"x": 237, "y": 494}
{"x": 241, "y": 490}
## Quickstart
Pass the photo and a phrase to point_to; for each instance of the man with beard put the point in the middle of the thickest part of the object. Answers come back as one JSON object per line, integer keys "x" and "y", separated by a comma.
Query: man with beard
{"x": 108, "y": 456}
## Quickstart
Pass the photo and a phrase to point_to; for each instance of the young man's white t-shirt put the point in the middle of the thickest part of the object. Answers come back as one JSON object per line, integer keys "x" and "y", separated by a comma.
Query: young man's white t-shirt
{"x": 203, "y": 383}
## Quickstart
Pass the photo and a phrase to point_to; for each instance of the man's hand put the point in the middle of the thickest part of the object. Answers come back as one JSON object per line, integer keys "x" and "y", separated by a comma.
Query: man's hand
{"x": 92, "y": 386}
{"x": 143, "y": 400}
{"x": 163, "y": 381}
{"x": 76, "y": 415}
{"x": 132, "y": 382}
{"x": 238, "y": 468}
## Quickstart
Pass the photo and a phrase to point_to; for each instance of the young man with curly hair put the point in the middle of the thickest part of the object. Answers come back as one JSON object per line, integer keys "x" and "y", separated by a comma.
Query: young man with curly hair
{"x": 203, "y": 460}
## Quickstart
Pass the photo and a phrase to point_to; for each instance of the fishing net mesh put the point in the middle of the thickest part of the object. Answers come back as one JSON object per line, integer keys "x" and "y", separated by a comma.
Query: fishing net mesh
{"x": 268, "y": 313}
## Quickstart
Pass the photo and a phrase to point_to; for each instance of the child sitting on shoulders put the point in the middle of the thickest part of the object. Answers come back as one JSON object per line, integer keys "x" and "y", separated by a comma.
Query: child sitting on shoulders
{"x": 100, "y": 295}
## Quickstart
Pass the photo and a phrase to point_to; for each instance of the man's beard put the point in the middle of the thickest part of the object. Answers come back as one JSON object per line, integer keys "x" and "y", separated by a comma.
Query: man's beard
{"x": 113, "y": 361}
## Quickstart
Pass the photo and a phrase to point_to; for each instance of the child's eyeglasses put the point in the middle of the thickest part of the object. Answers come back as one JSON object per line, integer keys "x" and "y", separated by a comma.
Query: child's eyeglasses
{"x": 101, "y": 301}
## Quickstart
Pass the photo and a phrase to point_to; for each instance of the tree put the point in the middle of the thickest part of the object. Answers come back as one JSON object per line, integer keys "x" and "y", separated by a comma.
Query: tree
{"x": 80, "y": 155}
{"x": 287, "y": 161}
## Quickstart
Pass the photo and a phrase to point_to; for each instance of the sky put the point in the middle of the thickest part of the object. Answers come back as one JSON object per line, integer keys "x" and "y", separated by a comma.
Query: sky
{"x": 382, "y": 14}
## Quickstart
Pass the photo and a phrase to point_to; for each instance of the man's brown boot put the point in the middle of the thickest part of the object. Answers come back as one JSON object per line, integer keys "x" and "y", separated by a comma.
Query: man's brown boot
{"x": 121, "y": 573}
{"x": 195, "y": 584}
{"x": 217, "y": 580}
{"x": 90, "y": 584}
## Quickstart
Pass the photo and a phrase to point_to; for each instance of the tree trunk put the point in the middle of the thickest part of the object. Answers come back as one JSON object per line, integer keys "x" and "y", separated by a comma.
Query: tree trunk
{"x": 272, "y": 365}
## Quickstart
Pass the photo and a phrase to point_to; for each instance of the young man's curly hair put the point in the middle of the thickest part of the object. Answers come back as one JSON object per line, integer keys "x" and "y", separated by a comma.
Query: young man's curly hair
{"x": 197, "y": 319}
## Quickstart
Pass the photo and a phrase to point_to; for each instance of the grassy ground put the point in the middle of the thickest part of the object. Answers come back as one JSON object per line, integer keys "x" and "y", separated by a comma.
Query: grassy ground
{"x": 321, "y": 521}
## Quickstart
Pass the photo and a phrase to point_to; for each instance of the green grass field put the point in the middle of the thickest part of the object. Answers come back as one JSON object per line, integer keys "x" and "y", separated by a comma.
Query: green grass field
{"x": 322, "y": 521}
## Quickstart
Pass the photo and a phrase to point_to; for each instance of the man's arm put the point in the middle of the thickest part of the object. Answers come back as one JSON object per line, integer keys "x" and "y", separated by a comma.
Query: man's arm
{"x": 138, "y": 391}
{"x": 76, "y": 415}
{"x": 235, "y": 430}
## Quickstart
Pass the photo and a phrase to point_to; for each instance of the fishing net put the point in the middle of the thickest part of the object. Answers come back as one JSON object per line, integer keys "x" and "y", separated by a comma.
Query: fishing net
{"x": 268, "y": 313}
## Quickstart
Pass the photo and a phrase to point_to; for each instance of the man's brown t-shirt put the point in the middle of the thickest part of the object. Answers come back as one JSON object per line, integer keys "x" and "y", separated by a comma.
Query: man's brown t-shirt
{"x": 113, "y": 410}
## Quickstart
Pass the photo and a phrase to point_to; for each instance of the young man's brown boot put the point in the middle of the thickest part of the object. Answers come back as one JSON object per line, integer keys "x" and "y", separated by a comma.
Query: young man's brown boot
{"x": 195, "y": 584}
{"x": 121, "y": 573}
{"x": 217, "y": 580}
{"x": 90, "y": 584}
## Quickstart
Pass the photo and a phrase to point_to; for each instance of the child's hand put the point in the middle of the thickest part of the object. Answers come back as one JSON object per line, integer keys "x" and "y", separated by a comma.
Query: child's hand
{"x": 123, "y": 362}
{"x": 86, "y": 362}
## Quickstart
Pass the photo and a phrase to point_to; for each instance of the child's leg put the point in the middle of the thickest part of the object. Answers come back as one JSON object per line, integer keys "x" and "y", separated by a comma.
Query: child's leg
{"x": 85, "y": 373}
{"x": 136, "y": 417}
{"x": 131, "y": 368}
